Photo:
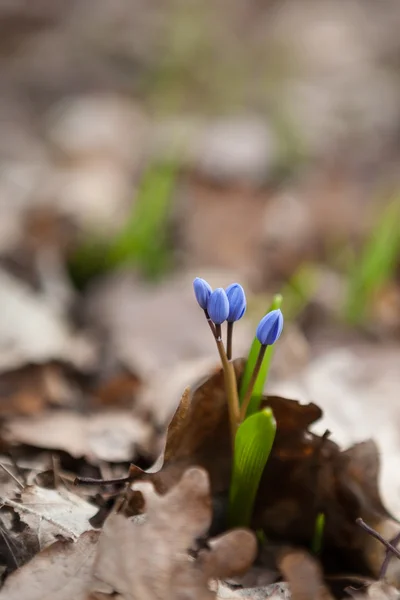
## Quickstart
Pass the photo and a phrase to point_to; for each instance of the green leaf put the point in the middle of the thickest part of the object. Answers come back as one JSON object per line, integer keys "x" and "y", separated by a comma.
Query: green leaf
{"x": 250, "y": 364}
{"x": 376, "y": 265}
{"x": 253, "y": 443}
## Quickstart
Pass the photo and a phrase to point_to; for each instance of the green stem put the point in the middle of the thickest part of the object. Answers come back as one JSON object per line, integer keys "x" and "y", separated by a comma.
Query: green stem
{"x": 249, "y": 391}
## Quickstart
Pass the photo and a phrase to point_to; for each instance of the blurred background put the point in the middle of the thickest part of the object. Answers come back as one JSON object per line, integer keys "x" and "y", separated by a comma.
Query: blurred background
{"x": 146, "y": 142}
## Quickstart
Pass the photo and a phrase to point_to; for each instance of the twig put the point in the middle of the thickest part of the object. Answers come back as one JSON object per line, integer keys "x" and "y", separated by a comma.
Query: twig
{"x": 16, "y": 466}
{"x": 134, "y": 473}
{"x": 21, "y": 485}
{"x": 378, "y": 537}
{"x": 102, "y": 482}
{"x": 388, "y": 556}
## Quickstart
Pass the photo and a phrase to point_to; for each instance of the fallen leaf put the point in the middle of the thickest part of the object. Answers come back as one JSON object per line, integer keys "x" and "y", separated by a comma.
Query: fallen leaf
{"x": 51, "y": 513}
{"x": 276, "y": 591}
{"x": 357, "y": 387}
{"x": 32, "y": 388}
{"x": 381, "y": 590}
{"x": 304, "y": 576}
{"x": 34, "y": 332}
{"x": 112, "y": 436}
{"x": 62, "y": 571}
{"x": 148, "y": 558}
{"x": 18, "y": 543}
{"x": 118, "y": 390}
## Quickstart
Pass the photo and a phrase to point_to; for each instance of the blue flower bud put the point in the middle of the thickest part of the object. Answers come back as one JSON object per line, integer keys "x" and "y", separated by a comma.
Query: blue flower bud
{"x": 237, "y": 302}
{"x": 202, "y": 291}
{"x": 218, "y": 306}
{"x": 270, "y": 327}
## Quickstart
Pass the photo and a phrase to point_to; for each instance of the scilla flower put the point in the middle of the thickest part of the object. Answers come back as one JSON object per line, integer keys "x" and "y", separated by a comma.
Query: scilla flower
{"x": 218, "y": 306}
{"x": 202, "y": 291}
{"x": 237, "y": 302}
{"x": 270, "y": 328}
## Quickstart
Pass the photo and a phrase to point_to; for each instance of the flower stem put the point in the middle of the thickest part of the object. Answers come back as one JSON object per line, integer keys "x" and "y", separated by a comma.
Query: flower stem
{"x": 230, "y": 384}
{"x": 249, "y": 391}
{"x": 210, "y": 323}
{"x": 229, "y": 336}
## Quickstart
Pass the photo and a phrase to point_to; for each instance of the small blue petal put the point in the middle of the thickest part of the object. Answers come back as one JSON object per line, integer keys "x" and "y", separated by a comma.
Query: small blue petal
{"x": 270, "y": 327}
{"x": 218, "y": 306}
{"x": 202, "y": 291}
{"x": 237, "y": 302}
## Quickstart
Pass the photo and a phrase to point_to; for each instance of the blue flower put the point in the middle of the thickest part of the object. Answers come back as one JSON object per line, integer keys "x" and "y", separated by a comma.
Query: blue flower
{"x": 202, "y": 291}
{"x": 237, "y": 302}
{"x": 270, "y": 327}
{"x": 218, "y": 306}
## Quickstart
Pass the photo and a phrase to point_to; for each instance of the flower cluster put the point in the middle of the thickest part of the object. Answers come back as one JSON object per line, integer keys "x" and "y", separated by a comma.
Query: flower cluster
{"x": 230, "y": 305}
{"x": 252, "y": 426}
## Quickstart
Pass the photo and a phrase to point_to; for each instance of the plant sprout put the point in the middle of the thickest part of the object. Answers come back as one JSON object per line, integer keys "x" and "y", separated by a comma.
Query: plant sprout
{"x": 252, "y": 433}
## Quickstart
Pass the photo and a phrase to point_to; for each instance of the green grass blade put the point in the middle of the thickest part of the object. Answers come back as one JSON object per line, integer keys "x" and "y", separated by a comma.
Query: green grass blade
{"x": 263, "y": 374}
{"x": 253, "y": 443}
{"x": 376, "y": 264}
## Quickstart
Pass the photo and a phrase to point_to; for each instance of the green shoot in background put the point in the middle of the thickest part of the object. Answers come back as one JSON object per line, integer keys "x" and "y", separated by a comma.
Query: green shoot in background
{"x": 263, "y": 374}
{"x": 300, "y": 289}
{"x": 376, "y": 265}
{"x": 253, "y": 444}
{"x": 316, "y": 544}
{"x": 142, "y": 242}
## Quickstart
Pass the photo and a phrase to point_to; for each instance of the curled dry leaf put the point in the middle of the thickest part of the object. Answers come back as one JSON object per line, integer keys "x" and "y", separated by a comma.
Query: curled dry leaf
{"x": 198, "y": 435}
{"x": 149, "y": 558}
{"x": 60, "y": 572}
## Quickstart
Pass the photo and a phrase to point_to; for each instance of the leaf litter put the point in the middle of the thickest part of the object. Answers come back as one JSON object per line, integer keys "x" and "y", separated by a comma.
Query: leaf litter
{"x": 307, "y": 474}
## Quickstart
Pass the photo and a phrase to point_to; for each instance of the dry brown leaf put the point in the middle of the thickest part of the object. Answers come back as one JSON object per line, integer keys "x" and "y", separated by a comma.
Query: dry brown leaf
{"x": 35, "y": 332}
{"x": 51, "y": 513}
{"x": 149, "y": 559}
{"x": 60, "y": 572}
{"x": 198, "y": 435}
{"x": 277, "y": 591}
{"x": 382, "y": 591}
{"x": 304, "y": 576}
{"x": 111, "y": 436}
{"x": 32, "y": 388}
